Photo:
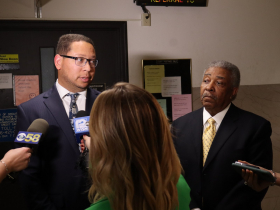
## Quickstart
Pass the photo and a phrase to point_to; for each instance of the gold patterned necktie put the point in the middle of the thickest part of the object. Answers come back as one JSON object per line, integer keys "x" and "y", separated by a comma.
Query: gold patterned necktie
{"x": 207, "y": 138}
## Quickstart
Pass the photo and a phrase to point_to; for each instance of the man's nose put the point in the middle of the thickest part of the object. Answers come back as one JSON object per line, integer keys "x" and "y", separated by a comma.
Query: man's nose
{"x": 210, "y": 86}
{"x": 87, "y": 67}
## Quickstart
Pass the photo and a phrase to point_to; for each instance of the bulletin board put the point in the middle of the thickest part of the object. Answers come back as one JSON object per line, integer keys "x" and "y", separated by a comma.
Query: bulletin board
{"x": 169, "y": 81}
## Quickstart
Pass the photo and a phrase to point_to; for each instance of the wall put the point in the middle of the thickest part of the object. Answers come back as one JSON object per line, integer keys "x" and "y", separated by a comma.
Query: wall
{"x": 245, "y": 33}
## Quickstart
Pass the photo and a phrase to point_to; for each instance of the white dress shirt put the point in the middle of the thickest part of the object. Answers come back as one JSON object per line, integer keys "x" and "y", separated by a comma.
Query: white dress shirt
{"x": 218, "y": 117}
{"x": 81, "y": 100}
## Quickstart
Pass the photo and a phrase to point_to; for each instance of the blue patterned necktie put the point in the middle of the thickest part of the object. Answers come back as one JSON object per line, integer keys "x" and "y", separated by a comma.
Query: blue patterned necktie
{"x": 73, "y": 109}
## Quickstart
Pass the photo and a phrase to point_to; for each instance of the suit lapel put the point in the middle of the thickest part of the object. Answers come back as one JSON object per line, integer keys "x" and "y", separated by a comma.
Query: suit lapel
{"x": 197, "y": 130}
{"x": 226, "y": 129}
{"x": 54, "y": 104}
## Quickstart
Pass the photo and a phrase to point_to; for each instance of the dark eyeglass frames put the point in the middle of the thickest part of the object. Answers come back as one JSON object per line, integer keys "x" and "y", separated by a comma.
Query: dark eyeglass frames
{"x": 80, "y": 61}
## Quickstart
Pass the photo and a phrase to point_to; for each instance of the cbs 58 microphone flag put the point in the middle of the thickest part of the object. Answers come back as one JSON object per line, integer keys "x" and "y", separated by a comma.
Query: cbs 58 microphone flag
{"x": 34, "y": 133}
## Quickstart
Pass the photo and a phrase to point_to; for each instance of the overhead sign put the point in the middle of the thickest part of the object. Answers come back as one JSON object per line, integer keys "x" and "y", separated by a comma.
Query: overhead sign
{"x": 189, "y": 3}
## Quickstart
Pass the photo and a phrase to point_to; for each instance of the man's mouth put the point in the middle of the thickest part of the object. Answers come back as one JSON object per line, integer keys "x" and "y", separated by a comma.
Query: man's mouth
{"x": 84, "y": 79}
{"x": 207, "y": 95}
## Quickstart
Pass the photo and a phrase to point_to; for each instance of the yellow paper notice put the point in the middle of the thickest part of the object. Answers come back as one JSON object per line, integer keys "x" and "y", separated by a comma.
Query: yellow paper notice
{"x": 153, "y": 75}
{"x": 9, "y": 58}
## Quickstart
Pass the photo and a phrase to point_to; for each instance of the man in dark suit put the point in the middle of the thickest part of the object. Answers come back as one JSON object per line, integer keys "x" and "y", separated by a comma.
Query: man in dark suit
{"x": 54, "y": 178}
{"x": 237, "y": 135}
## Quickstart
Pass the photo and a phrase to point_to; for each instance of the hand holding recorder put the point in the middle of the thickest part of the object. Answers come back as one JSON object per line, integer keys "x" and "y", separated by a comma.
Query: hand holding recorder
{"x": 256, "y": 177}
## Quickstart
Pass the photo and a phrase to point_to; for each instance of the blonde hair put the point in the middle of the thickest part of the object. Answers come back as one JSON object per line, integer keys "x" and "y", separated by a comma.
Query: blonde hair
{"x": 133, "y": 160}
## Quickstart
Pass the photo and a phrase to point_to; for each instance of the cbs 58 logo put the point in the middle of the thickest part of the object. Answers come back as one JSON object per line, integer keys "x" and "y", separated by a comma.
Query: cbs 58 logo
{"x": 29, "y": 137}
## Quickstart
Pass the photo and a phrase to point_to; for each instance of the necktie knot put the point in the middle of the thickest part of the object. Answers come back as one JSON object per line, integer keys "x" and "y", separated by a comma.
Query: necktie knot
{"x": 211, "y": 121}
{"x": 73, "y": 96}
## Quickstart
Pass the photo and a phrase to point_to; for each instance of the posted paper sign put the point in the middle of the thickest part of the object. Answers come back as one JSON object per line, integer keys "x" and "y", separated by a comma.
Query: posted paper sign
{"x": 153, "y": 75}
{"x": 8, "y": 120}
{"x": 171, "y": 86}
{"x": 9, "y": 58}
{"x": 162, "y": 103}
{"x": 181, "y": 105}
{"x": 6, "y": 81}
{"x": 25, "y": 88}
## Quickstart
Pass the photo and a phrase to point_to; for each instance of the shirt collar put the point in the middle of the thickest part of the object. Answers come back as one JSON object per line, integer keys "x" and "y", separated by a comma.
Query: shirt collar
{"x": 63, "y": 91}
{"x": 218, "y": 117}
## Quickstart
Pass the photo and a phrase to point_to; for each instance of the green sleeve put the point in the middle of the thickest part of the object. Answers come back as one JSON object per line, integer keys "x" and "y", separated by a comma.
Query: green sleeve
{"x": 102, "y": 204}
{"x": 183, "y": 197}
{"x": 183, "y": 194}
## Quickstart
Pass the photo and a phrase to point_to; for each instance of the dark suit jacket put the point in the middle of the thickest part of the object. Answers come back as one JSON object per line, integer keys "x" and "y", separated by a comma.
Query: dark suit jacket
{"x": 53, "y": 179}
{"x": 241, "y": 136}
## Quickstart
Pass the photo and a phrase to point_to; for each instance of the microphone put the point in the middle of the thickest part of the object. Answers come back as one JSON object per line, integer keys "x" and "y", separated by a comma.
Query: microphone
{"x": 30, "y": 138}
{"x": 81, "y": 122}
{"x": 34, "y": 133}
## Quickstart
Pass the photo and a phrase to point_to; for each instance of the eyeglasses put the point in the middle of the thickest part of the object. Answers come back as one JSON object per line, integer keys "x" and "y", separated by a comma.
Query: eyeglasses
{"x": 80, "y": 61}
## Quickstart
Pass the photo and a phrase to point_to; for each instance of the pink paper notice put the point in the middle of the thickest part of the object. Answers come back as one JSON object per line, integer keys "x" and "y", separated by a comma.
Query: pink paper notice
{"x": 181, "y": 105}
{"x": 25, "y": 88}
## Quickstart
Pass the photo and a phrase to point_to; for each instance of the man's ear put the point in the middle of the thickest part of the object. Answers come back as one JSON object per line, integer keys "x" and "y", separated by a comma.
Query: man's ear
{"x": 234, "y": 93}
{"x": 57, "y": 61}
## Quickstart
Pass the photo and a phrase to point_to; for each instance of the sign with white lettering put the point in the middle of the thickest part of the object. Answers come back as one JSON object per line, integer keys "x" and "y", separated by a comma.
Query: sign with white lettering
{"x": 8, "y": 120}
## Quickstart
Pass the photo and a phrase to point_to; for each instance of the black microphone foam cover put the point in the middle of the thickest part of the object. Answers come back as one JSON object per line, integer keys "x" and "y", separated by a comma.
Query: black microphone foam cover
{"x": 81, "y": 113}
{"x": 39, "y": 126}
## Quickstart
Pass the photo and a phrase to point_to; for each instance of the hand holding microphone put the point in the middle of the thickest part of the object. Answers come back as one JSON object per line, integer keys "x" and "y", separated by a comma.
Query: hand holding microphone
{"x": 81, "y": 130}
{"x": 14, "y": 160}
{"x": 85, "y": 143}
{"x": 17, "y": 159}
{"x": 86, "y": 140}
